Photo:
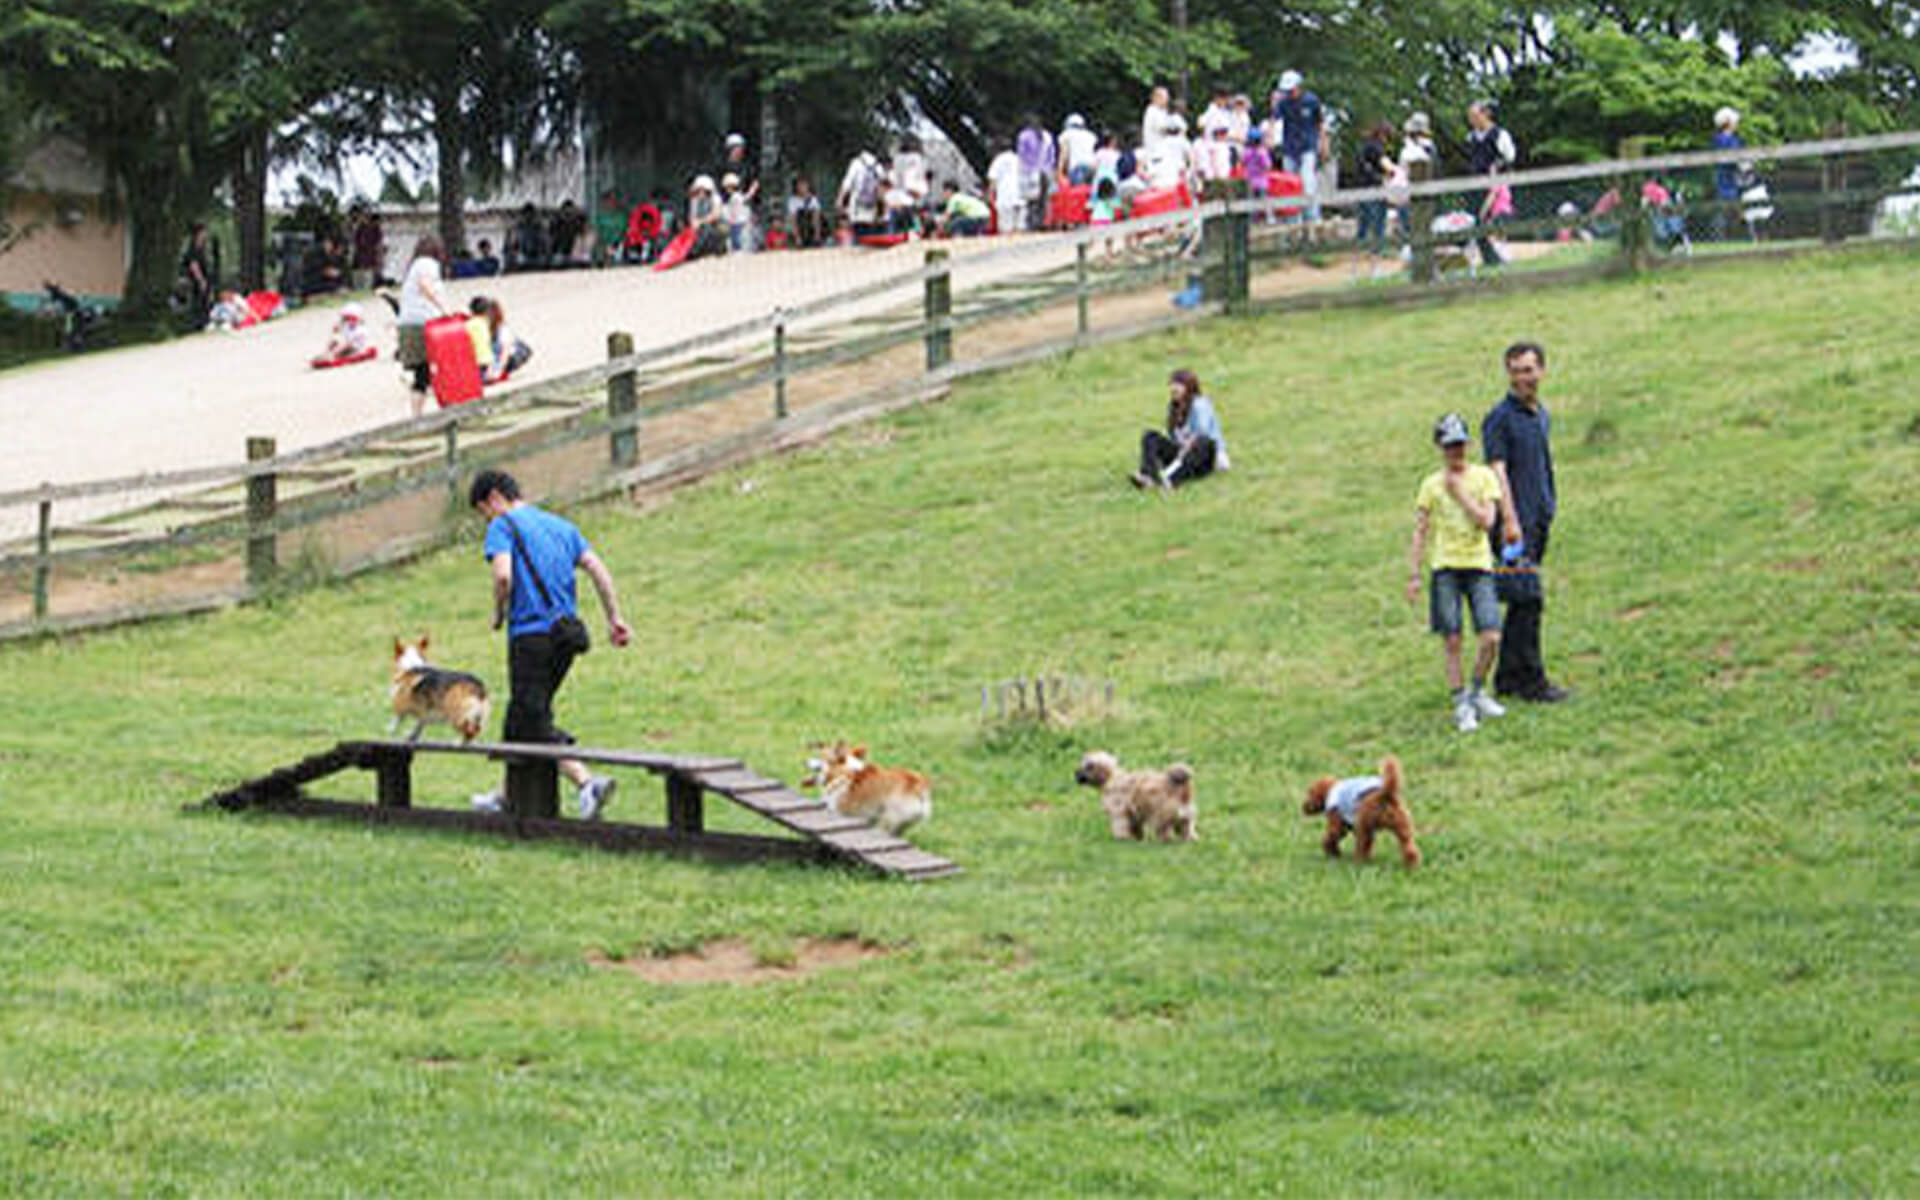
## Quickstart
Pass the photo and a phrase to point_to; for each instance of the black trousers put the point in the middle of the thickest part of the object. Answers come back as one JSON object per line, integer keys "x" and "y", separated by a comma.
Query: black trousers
{"x": 1522, "y": 671}
{"x": 1490, "y": 255}
{"x": 536, "y": 668}
{"x": 1157, "y": 450}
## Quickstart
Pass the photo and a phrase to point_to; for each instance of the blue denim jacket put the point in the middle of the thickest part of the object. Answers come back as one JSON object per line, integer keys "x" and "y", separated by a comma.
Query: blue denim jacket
{"x": 1202, "y": 421}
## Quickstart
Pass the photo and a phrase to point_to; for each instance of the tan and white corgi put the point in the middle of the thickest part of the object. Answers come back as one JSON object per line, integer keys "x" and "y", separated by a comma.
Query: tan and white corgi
{"x": 432, "y": 696}
{"x": 891, "y": 797}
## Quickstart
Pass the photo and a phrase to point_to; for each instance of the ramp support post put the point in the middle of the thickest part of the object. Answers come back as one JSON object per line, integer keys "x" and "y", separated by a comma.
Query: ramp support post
{"x": 393, "y": 770}
{"x": 533, "y": 788}
{"x": 685, "y": 811}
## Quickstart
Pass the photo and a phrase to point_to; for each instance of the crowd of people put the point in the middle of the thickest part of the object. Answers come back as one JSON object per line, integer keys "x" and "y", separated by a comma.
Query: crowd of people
{"x": 1037, "y": 178}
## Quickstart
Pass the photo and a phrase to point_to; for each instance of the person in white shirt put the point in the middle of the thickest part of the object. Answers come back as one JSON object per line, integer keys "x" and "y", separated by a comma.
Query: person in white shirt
{"x": 1240, "y": 119}
{"x": 1218, "y": 113}
{"x": 1078, "y": 146}
{"x": 1153, "y": 123}
{"x": 1214, "y": 154}
{"x": 421, "y": 300}
{"x": 1416, "y": 146}
{"x": 910, "y": 185}
{"x": 1006, "y": 186}
{"x": 862, "y": 192}
{"x": 1171, "y": 162}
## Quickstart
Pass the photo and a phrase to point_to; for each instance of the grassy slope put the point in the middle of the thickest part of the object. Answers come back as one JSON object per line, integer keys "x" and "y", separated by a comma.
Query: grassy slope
{"x": 1666, "y": 940}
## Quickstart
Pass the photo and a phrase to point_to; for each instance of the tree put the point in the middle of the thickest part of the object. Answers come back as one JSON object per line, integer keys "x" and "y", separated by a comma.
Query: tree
{"x": 145, "y": 84}
{"x": 1604, "y": 84}
{"x": 490, "y": 79}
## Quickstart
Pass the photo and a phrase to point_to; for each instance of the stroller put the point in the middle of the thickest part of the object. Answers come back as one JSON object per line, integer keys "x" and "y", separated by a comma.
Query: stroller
{"x": 82, "y": 325}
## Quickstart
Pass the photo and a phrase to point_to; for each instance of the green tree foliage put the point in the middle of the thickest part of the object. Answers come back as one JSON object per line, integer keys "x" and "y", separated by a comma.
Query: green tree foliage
{"x": 179, "y": 97}
{"x": 490, "y": 76}
{"x": 1604, "y": 84}
{"x": 148, "y": 85}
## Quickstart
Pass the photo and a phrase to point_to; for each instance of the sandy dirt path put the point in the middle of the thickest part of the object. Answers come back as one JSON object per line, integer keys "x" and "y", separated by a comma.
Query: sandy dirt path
{"x": 194, "y": 401}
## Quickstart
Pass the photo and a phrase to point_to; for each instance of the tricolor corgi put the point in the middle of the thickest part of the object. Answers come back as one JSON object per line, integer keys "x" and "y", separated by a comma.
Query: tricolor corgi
{"x": 891, "y": 797}
{"x": 430, "y": 695}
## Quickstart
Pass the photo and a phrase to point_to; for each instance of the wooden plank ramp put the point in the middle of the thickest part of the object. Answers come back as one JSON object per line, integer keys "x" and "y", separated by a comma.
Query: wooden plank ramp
{"x": 810, "y": 831}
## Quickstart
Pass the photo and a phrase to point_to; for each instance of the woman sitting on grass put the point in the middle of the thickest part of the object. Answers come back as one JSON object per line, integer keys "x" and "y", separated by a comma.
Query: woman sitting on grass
{"x": 1193, "y": 445}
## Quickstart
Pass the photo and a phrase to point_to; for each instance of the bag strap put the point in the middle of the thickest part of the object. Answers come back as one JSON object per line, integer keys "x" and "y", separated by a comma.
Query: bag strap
{"x": 546, "y": 598}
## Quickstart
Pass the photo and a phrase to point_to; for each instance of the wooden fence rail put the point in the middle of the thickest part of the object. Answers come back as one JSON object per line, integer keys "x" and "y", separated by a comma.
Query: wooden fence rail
{"x": 643, "y": 387}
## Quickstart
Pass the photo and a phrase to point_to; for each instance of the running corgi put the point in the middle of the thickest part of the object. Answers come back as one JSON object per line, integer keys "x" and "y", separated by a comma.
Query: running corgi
{"x": 891, "y": 797}
{"x": 430, "y": 695}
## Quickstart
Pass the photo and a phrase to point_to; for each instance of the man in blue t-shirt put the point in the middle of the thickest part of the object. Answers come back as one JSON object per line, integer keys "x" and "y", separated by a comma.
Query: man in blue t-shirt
{"x": 532, "y": 555}
{"x": 1514, "y": 437}
{"x": 1303, "y": 136}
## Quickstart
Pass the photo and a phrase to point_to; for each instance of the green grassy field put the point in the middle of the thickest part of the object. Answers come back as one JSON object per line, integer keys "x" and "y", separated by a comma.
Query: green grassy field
{"x": 1664, "y": 944}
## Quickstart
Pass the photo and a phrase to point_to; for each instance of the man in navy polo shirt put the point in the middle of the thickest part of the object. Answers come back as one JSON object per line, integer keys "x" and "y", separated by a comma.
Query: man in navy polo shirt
{"x": 1515, "y": 435}
{"x": 1303, "y": 136}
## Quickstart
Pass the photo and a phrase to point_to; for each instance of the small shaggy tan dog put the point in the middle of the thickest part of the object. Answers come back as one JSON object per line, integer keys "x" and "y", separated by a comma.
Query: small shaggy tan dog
{"x": 1366, "y": 804}
{"x": 1141, "y": 802}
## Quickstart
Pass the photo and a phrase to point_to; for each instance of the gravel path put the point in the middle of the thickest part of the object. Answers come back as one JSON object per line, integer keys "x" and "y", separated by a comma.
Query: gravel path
{"x": 194, "y": 401}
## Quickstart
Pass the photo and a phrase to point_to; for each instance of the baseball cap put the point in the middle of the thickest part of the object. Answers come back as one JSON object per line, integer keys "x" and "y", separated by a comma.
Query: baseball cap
{"x": 1289, "y": 80}
{"x": 1451, "y": 430}
{"x": 351, "y": 311}
{"x": 736, "y": 139}
{"x": 1418, "y": 123}
{"x": 702, "y": 183}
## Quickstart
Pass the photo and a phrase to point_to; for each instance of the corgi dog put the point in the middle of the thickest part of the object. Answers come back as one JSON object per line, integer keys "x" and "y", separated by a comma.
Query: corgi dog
{"x": 430, "y": 695}
{"x": 891, "y": 797}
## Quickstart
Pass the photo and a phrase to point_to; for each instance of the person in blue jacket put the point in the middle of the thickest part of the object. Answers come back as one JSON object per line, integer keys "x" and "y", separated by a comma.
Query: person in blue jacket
{"x": 1192, "y": 446}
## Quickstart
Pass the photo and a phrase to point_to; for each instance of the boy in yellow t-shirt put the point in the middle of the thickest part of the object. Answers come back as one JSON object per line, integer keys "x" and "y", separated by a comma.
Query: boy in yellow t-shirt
{"x": 480, "y": 330}
{"x": 1456, "y": 507}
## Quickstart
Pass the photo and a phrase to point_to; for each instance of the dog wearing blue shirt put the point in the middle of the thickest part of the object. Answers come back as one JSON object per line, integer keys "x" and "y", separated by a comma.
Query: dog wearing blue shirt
{"x": 1365, "y": 805}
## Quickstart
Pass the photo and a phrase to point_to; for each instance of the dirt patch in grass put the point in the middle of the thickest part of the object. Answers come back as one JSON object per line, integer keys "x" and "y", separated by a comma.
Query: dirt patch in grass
{"x": 733, "y": 960}
{"x": 1636, "y": 612}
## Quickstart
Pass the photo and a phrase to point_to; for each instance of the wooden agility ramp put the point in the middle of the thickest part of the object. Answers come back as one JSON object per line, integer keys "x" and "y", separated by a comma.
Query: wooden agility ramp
{"x": 814, "y": 833}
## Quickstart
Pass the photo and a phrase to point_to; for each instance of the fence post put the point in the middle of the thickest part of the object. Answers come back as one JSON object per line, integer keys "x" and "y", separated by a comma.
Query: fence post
{"x": 1239, "y": 257}
{"x": 1636, "y": 222}
{"x": 1223, "y": 242}
{"x": 452, "y": 461}
{"x": 1081, "y": 324}
{"x": 262, "y": 558}
{"x": 42, "y": 569}
{"x": 780, "y": 363}
{"x": 623, "y": 391}
{"x": 1420, "y": 223}
{"x": 939, "y": 307}
{"x": 1833, "y": 178}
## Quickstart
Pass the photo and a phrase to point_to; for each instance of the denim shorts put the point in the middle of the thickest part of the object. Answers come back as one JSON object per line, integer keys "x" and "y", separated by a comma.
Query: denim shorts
{"x": 1444, "y": 592}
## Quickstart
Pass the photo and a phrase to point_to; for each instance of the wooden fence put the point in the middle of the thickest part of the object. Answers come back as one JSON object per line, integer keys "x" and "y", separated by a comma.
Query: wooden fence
{"x": 210, "y": 537}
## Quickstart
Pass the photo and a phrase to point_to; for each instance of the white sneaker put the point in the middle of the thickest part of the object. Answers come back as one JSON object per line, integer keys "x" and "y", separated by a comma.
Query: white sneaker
{"x": 1486, "y": 706}
{"x": 1464, "y": 718}
{"x": 489, "y": 802}
{"x": 595, "y": 795}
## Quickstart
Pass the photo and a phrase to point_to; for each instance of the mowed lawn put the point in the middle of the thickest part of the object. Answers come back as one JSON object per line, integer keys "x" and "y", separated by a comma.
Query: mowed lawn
{"x": 1664, "y": 942}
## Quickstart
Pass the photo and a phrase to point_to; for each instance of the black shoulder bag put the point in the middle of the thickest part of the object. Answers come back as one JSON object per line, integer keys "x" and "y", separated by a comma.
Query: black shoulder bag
{"x": 569, "y": 632}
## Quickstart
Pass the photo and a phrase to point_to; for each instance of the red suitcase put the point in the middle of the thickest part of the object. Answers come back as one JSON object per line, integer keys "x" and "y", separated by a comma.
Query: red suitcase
{"x": 456, "y": 376}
